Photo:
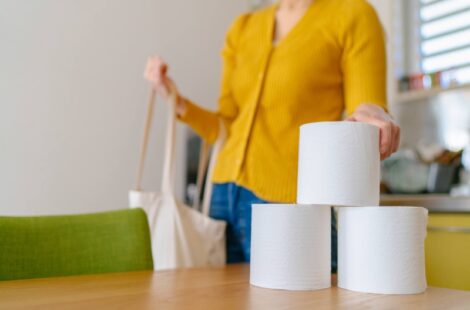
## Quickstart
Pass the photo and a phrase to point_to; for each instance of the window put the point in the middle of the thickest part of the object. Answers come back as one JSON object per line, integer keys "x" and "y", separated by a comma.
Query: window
{"x": 437, "y": 40}
{"x": 445, "y": 37}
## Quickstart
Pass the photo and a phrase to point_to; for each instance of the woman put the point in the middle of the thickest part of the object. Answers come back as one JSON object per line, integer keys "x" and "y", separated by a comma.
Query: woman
{"x": 296, "y": 62}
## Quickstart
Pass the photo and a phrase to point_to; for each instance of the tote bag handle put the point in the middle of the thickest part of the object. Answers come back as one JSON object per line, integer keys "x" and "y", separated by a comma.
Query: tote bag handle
{"x": 145, "y": 138}
{"x": 203, "y": 161}
{"x": 168, "y": 177}
{"x": 201, "y": 170}
{"x": 168, "y": 160}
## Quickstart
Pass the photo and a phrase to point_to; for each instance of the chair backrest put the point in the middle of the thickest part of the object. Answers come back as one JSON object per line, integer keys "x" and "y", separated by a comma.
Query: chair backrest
{"x": 48, "y": 246}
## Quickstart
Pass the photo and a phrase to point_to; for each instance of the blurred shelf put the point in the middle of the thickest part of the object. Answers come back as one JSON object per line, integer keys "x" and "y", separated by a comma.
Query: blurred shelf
{"x": 417, "y": 95}
{"x": 435, "y": 203}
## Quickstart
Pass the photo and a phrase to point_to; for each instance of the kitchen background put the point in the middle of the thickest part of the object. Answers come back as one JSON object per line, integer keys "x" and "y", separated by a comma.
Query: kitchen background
{"x": 73, "y": 100}
{"x": 428, "y": 43}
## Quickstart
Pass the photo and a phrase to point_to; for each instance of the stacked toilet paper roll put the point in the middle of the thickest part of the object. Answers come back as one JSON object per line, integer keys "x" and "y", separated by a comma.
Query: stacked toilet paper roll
{"x": 339, "y": 164}
{"x": 290, "y": 247}
{"x": 381, "y": 249}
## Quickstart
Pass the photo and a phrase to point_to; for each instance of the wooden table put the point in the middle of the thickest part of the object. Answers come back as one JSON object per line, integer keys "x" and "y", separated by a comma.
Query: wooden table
{"x": 222, "y": 288}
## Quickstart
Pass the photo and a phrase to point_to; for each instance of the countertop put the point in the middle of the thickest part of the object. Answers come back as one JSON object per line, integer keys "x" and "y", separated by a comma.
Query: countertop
{"x": 435, "y": 203}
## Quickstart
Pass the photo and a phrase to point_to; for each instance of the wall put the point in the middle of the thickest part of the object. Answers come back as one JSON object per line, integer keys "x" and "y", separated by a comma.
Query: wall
{"x": 384, "y": 9}
{"x": 72, "y": 97}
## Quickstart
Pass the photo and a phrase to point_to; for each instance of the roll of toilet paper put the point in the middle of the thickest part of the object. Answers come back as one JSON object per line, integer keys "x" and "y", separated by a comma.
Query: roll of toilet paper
{"x": 381, "y": 249}
{"x": 339, "y": 164}
{"x": 290, "y": 247}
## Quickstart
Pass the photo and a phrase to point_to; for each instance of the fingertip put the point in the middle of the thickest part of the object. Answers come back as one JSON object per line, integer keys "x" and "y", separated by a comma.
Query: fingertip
{"x": 383, "y": 150}
{"x": 383, "y": 155}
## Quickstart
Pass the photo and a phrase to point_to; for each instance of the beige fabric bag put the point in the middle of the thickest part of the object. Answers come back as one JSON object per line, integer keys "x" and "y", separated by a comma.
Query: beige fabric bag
{"x": 182, "y": 237}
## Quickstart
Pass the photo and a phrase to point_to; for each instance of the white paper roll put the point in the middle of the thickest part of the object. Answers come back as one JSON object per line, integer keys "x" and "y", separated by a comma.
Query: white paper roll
{"x": 339, "y": 164}
{"x": 290, "y": 247}
{"x": 381, "y": 249}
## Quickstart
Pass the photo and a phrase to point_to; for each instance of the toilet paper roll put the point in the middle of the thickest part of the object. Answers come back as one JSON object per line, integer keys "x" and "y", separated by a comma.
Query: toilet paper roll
{"x": 290, "y": 247}
{"x": 339, "y": 164}
{"x": 381, "y": 249}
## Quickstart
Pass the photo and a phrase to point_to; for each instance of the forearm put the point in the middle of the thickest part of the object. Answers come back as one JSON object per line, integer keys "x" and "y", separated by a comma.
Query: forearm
{"x": 204, "y": 122}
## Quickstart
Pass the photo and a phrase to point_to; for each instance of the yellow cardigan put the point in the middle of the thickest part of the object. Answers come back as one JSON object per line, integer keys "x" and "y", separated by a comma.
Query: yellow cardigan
{"x": 332, "y": 60}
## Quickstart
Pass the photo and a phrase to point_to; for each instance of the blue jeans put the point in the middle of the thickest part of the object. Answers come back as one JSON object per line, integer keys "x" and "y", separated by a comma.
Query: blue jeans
{"x": 232, "y": 203}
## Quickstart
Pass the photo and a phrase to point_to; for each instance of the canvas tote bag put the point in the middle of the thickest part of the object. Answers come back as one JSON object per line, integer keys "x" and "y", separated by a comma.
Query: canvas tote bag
{"x": 182, "y": 237}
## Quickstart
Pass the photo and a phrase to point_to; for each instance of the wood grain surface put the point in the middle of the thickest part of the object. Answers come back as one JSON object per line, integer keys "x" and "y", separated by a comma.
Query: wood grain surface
{"x": 219, "y": 288}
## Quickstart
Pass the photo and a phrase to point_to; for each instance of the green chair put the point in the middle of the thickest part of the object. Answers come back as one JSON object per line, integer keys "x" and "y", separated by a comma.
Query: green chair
{"x": 50, "y": 246}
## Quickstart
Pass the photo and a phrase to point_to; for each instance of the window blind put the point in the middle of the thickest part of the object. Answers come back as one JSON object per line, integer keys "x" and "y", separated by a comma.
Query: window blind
{"x": 445, "y": 37}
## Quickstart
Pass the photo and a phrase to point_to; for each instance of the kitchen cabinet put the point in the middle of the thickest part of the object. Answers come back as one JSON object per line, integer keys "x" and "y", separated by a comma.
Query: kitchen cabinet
{"x": 448, "y": 250}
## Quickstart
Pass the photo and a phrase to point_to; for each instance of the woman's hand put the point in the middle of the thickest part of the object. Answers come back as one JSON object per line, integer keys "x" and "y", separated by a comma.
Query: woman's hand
{"x": 156, "y": 73}
{"x": 389, "y": 130}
